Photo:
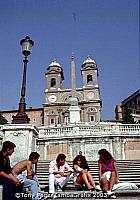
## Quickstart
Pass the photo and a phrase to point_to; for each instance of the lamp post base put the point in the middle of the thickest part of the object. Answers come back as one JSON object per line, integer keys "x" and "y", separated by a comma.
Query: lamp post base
{"x": 20, "y": 119}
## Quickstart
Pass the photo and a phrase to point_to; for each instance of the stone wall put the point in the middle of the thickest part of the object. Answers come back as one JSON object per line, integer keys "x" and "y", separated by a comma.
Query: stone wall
{"x": 23, "y": 136}
{"x": 122, "y": 141}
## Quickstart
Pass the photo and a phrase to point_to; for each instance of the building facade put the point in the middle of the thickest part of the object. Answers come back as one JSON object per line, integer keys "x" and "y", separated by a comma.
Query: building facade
{"x": 55, "y": 110}
{"x": 36, "y": 116}
{"x": 57, "y": 105}
{"x": 130, "y": 103}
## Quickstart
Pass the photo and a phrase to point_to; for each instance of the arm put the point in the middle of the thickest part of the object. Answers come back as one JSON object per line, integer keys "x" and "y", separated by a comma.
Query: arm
{"x": 75, "y": 167}
{"x": 10, "y": 177}
{"x": 54, "y": 170}
{"x": 116, "y": 172}
{"x": 8, "y": 173}
{"x": 79, "y": 169}
{"x": 69, "y": 169}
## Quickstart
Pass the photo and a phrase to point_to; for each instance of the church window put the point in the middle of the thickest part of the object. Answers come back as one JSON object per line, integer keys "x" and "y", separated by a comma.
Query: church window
{"x": 89, "y": 79}
{"x": 66, "y": 117}
{"x": 92, "y": 118}
{"x": 52, "y": 121}
{"x": 53, "y": 82}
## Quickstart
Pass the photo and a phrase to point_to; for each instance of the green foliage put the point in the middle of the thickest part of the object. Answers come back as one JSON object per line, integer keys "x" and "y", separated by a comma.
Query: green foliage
{"x": 128, "y": 118}
{"x": 2, "y": 120}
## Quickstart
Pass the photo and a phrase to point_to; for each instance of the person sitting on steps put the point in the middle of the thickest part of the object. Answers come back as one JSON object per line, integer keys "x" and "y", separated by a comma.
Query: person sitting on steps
{"x": 59, "y": 173}
{"x": 10, "y": 184}
{"x": 108, "y": 173}
{"x": 82, "y": 174}
{"x": 31, "y": 179}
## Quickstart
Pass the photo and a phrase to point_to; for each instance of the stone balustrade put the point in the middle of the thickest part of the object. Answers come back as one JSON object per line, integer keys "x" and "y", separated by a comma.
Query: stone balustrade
{"x": 98, "y": 129}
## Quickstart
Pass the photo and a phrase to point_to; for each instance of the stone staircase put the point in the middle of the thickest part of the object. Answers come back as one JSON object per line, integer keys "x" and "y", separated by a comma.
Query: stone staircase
{"x": 129, "y": 171}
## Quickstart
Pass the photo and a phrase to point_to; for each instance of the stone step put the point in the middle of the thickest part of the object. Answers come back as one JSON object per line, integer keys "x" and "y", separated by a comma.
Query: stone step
{"x": 96, "y": 166}
{"x": 129, "y": 178}
{"x": 96, "y": 175}
{"x": 96, "y": 172}
{"x": 129, "y": 171}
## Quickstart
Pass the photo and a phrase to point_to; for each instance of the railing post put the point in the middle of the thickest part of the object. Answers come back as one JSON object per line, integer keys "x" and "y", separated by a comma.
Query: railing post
{"x": 1, "y": 191}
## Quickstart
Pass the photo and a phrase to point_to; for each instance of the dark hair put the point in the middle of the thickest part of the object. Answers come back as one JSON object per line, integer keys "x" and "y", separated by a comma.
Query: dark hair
{"x": 7, "y": 145}
{"x": 33, "y": 156}
{"x": 83, "y": 160}
{"x": 60, "y": 156}
{"x": 106, "y": 154}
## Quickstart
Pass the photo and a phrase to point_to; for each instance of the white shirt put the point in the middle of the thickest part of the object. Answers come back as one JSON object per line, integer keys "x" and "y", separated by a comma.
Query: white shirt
{"x": 53, "y": 167}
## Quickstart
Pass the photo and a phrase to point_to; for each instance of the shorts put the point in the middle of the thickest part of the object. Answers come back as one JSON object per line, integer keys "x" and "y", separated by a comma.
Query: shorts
{"x": 106, "y": 175}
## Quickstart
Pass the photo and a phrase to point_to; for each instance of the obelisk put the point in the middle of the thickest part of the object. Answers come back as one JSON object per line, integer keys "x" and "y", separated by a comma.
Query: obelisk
{"x": 74, "y": 108}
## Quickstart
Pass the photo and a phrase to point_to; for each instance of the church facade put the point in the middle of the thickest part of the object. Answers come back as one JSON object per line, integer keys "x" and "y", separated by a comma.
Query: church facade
{"x": 55, "y": 110}
{"x": 70, "y": 120}
{"x": 57, "y": 105}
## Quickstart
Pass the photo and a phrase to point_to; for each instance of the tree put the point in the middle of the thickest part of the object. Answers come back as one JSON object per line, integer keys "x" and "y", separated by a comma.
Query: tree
{"x": 128, "y": 118}
{"x": 2, "y": 120}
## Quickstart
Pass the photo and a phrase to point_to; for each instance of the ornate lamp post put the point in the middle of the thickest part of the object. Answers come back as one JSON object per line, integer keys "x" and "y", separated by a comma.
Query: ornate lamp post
{"x": 21, "y": 117}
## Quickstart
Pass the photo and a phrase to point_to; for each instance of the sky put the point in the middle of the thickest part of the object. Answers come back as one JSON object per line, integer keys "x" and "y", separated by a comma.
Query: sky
{"x": 107, "y": 30}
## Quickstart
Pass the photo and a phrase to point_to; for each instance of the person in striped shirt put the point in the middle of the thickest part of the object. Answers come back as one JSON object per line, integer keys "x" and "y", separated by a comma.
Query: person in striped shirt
{"x": 108, "y": 173}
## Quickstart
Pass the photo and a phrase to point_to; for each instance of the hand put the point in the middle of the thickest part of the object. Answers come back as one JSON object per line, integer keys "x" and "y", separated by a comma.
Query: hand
{"x": 16, "y": 181}
{"x": 61, "y": 173}
{"x": 84, "y": 171}
{"x": 67, "y": 174}
{"x": 117, "y": 181}
{"x": 29, "y": 176}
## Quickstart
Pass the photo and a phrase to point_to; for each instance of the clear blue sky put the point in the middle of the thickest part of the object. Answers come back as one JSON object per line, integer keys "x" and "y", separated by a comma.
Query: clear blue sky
{"x": 107, "y": 30}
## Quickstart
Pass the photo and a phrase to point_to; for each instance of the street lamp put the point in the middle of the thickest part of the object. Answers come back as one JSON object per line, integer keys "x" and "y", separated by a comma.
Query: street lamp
{"x": 21, "y": 117}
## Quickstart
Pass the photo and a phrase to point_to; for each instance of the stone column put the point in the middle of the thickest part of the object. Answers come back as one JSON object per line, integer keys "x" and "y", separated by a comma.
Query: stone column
{"x": 117, "y": 147}
{"x": 42, "y": 149}
{"x": 24, "y": 136}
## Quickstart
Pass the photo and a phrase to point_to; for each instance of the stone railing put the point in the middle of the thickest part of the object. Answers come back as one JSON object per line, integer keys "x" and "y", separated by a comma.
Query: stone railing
{"x": 98, "y": 129}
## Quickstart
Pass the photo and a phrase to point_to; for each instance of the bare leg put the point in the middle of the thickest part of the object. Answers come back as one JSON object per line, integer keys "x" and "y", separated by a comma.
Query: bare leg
{"x": 104, "y": 185}
{"x": 112, "y": 180}
{"x": 90, "y": 178}
{"x": 83, "y": 178}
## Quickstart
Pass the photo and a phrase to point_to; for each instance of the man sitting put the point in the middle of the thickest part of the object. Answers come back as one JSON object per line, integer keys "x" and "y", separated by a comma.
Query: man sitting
{"x": 59, "y": 173}
{"x": 10, "y": 184}
{"x": 31, "y": 179}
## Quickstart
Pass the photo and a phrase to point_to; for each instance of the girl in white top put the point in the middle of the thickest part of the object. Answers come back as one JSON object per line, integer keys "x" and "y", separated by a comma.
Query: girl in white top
{"x": 82, "y": 173}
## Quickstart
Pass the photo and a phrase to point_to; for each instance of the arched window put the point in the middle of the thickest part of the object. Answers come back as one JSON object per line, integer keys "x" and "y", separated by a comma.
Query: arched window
{"x": 89, "y": 79}
{"x": 92, "y": 118}
{"x": 53, "y": 82}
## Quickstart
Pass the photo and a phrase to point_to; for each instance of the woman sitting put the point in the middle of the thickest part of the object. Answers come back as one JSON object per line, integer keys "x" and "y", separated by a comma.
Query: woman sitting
{"x": 108, "y": 173}
{"x": 82, "y": 173}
